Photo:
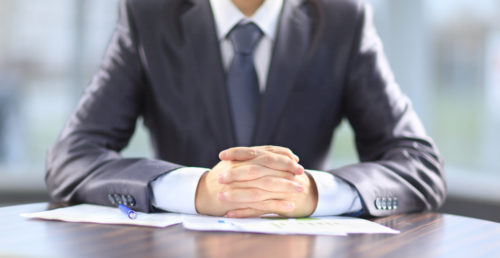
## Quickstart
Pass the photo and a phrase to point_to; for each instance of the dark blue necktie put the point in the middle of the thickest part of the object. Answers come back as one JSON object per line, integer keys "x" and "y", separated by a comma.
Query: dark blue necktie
{"x": 242, "y": 82}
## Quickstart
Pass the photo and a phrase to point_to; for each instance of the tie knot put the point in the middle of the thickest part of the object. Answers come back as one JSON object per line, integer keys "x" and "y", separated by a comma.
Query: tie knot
{"x": 244, "y": 37}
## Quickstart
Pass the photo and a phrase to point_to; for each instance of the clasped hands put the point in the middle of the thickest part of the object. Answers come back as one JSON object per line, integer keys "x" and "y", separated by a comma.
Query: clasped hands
{"x": 252, "y": 181}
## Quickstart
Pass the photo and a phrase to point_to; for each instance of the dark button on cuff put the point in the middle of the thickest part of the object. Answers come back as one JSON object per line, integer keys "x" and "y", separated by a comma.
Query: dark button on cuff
{"x": 118, "y": 198}
{"x": 377, "y": 203}
{"x": 130, "y": 200}
{"x": 384, "y": 203}
{"x": 111, "y": 199}
{"x": 389, "y": 203}
{"x": 124, "y": 199}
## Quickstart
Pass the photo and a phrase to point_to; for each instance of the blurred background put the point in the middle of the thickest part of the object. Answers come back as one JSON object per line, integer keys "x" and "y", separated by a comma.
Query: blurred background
{"x": 445, "y": 54}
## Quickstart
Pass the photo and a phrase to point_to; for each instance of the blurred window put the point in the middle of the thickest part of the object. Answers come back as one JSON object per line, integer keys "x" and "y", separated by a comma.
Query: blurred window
{"x": 445, "y": 55}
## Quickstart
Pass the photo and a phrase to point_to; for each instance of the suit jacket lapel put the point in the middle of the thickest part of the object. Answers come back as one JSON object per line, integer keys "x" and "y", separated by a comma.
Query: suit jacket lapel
{"x": 294, "y": 34}
{"x": 291, "y": 44}
{"x": 201, "y": 40}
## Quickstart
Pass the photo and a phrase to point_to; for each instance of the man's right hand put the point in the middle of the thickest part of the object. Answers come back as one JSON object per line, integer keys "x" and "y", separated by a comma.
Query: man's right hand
{"x": 264, "y": 172}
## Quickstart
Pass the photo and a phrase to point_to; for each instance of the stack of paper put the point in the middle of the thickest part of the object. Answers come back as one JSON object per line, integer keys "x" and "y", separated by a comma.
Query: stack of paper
{"x": 332, "y": 225}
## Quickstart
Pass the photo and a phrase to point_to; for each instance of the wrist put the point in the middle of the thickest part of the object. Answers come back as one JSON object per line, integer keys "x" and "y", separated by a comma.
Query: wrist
{"x": 201, "y": 196}
{"x": 313, "y": 195}
{"x": 308, "y": 200}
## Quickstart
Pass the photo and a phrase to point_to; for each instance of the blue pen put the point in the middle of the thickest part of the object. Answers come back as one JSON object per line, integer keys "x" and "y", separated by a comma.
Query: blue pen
{"x": 131, "y": 214}
{"x": 230, "y": 223}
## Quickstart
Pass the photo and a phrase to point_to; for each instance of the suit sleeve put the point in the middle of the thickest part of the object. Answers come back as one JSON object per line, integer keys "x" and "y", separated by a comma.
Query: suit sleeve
{"x": 85, "y": 165}
{"x": 401, "y": 170}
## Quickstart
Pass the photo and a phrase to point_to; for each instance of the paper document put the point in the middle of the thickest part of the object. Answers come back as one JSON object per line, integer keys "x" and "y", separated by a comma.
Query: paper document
{"x": 307, "y": 226}
{"x": 333, "y": 225}
{"x": 106, "y": 215}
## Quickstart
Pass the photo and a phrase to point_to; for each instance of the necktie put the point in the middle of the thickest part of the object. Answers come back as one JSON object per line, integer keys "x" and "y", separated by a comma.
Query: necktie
{"x": 242, "y": 81}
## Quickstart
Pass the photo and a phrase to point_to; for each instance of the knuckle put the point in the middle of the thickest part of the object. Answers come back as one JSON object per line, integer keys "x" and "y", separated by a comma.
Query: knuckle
{"x": 230, "y": 173}
{"x": 289, "y": 163}
{"x": 268, "y": 148}
{"x": 258, "y": 152}
{"x": 226, "y": 176}
{"x": 252, "y": 152}
{"x": 268, "y": 159}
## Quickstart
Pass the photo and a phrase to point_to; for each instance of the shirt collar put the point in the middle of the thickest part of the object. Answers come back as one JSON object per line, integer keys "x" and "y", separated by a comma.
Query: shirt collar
{"x": 227, "y": 15}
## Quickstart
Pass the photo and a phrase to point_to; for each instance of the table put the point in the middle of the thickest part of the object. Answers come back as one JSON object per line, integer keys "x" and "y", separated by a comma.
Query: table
{"x": 422, "y": 235}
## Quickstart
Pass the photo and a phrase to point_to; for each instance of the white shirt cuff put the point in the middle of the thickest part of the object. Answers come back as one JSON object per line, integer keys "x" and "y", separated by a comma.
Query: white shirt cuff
{"x": 176, "y": 191}
{"x": 335, "y": 196}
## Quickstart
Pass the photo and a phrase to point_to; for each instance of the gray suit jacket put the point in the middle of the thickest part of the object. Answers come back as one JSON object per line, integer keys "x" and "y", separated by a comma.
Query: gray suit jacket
{"x": 164, "y": 64}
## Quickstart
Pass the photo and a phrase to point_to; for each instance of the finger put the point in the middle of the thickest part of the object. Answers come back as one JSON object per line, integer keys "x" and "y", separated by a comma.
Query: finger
{"x": 251, "y": 172}
{"x": 279, "y": 150}
{"x": 238, "y": 153}
{"x": 244, "y": 213}
{"x": 273, "y": 206}
{"x": 247, "y": 153}
{"x": 242, "y": 195}
{"x": 279, "y": 162}
{"x": 260, "y": 208}
{"x": 271, "y": 184}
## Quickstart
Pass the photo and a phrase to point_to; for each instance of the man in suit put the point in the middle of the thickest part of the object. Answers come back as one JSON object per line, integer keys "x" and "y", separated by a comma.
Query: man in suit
{"x": 233, "y": 92}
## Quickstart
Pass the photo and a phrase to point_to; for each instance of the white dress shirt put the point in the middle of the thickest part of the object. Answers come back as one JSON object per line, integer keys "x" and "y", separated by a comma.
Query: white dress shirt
{"x": 176, "y": 191}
